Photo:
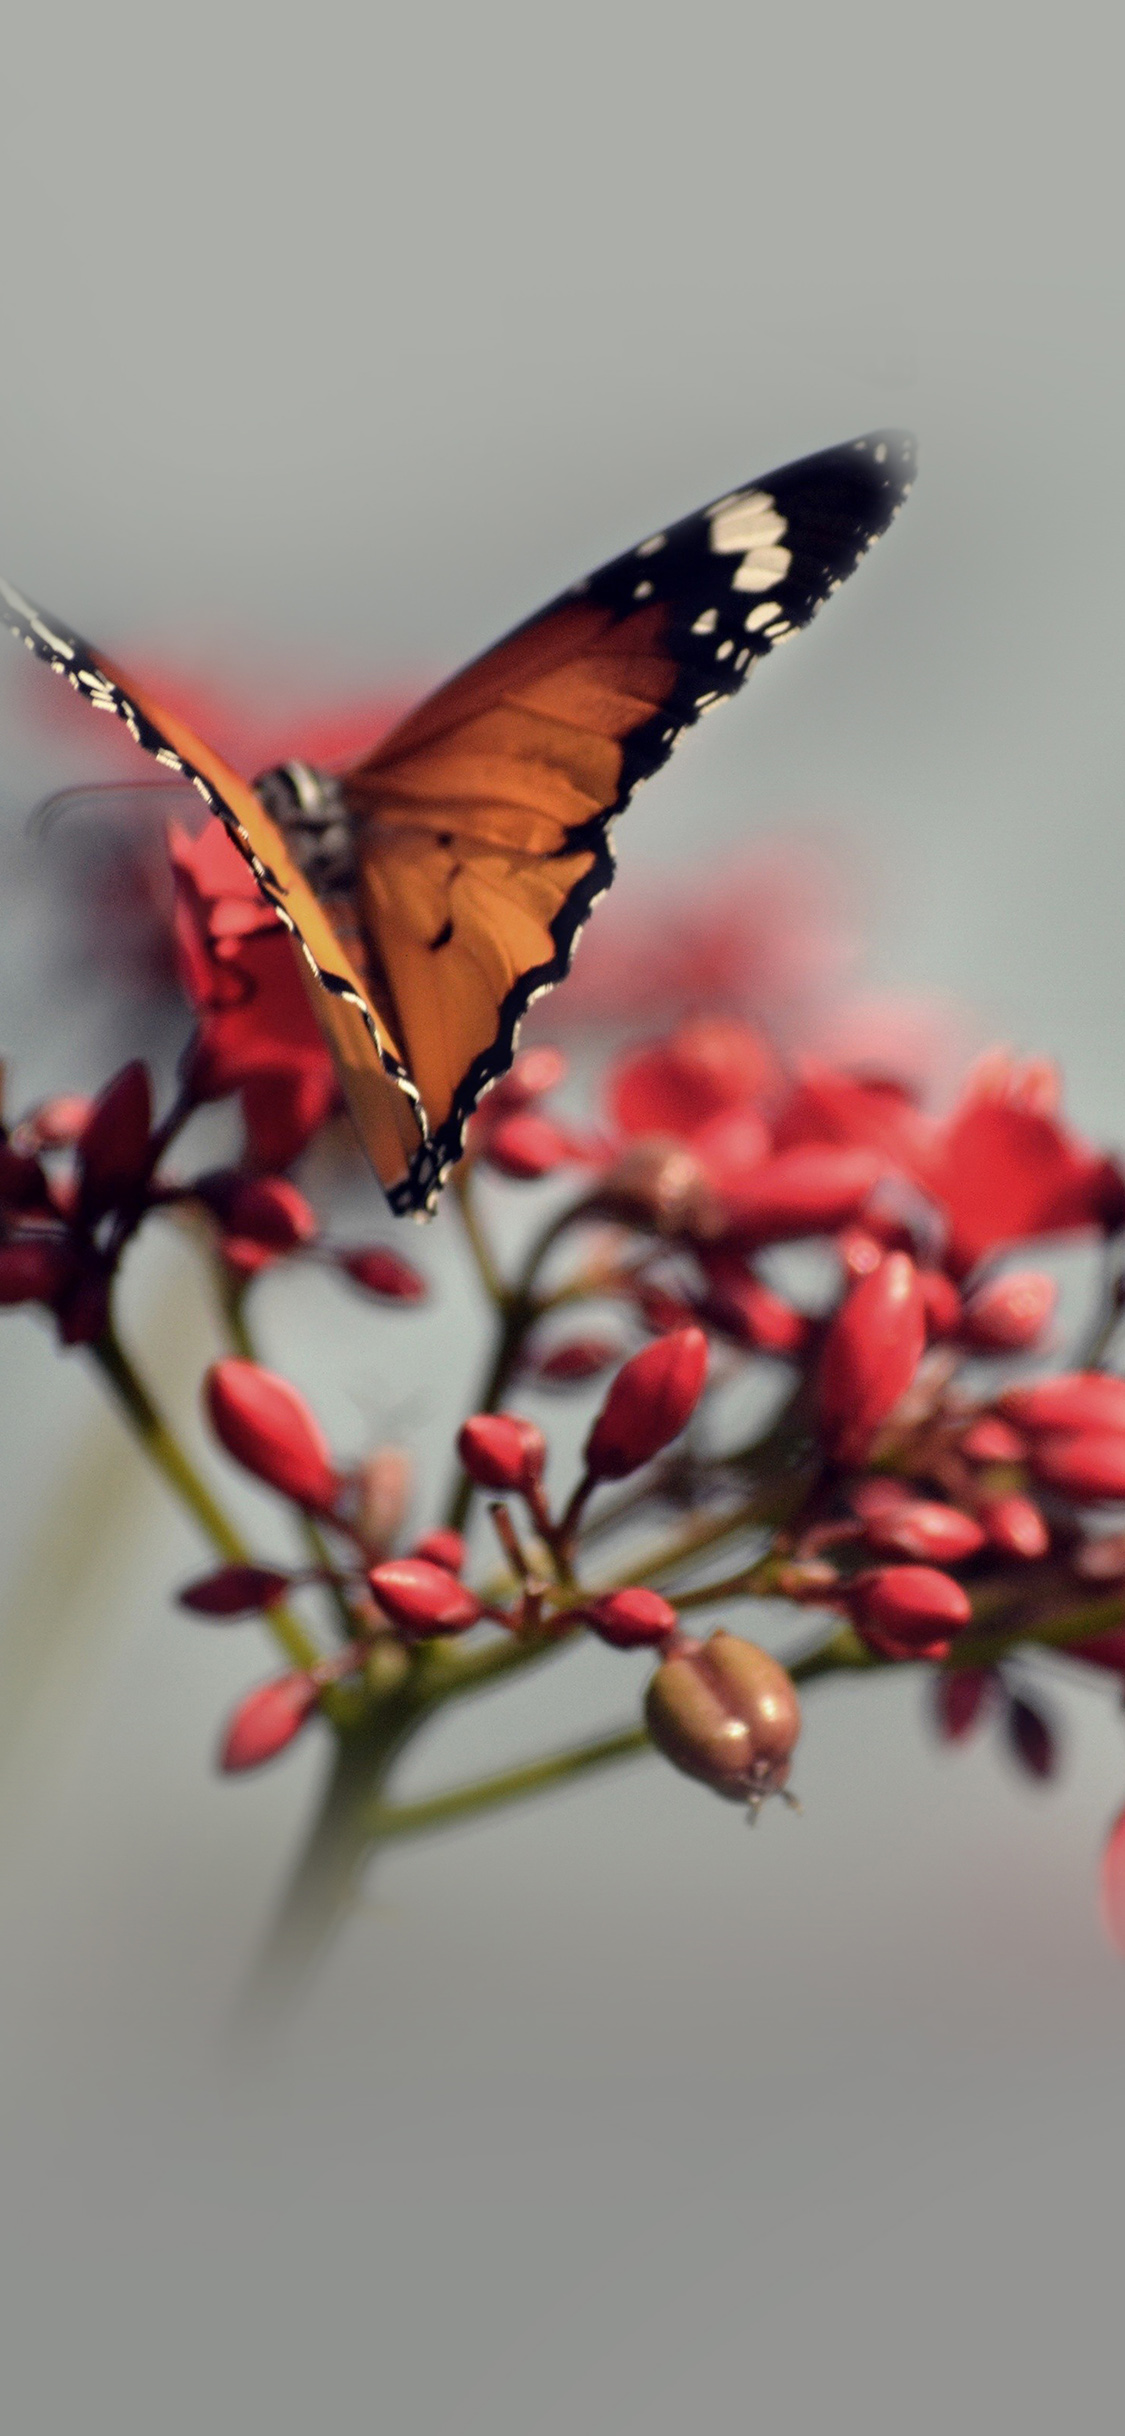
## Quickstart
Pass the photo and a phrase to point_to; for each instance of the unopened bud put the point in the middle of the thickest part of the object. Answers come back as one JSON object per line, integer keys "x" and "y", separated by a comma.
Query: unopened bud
{"x": 908, "y": 1611}
{"x": 577, "y": 1359}
{"x": 1076, "y": 1400}
{"x": 869, "y": 1357}
{"x": 726, "y": 1712}
{"x": 1016, "y": 1525}
{"x": 1011, "y": 1314}
{"x": 234, "y": 1590}
{"x": 525, "y": 1146}
{"x": 658, "y": 1185}
{"x": 268, "y": 1211}
{"x": 444, "y": 1548}
{"x": 962, "y": 1697}
{"x": 501, "y": 1451}
{"x": 266, "y": 1722}
{"x": 651, "y": 1400}
{"x": 422, "y": 1598}
{"x": 749, "y": 1311}
{"x": 942, "y": 1303}
{"x": 922, "y": 1528}
{"x": 1031, "y": 1740}
{"x": 263, "y": 1422}
{"x": 991, "y": 1440}
{"x": 1088, "y": 1465}
{"x": 57, "y": 1124}
{"x": 380, "y": 1271}
{"x": 631, "y": 1619}
{"x": 113, "y": 1152}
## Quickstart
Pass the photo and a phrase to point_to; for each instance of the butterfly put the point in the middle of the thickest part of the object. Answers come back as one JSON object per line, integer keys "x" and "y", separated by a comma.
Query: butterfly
{"x": 440, "y": 884}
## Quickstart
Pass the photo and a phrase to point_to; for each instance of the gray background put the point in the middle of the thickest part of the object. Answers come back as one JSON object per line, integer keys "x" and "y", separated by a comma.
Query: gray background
{"x": 332, "y": 342}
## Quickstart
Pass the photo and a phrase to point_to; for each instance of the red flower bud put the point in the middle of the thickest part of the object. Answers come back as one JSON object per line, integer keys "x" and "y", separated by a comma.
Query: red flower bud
{"x": 943, "y": 1535}
{"x": 1076, "y": 1399}
{"x": 34, "y": 1270}
{"x": 58, "y": 1123}
{"x": 942, "y": 1302}
{"x": 1088, "y": 1465}
{"x": 727, "y": 1713}
{"x": 881, "y": 1494}
{"x": 802, "y": 1192}
{"x": 661, "y": 1186}
{"x": 266, "y": 1721}
{"x": 908, "y": 1611}
{"x": 869, "y": 1356}
{"x": 234, "y": 1590}
{"x": 1112, "y": 1886}
{"x": 631, "y": 1619}
{"x": 750, "y": 1312}
{"x": 380, "y": 1271}
{"x": 444, "y": 1548}
{"x": 533, "y": 1074}
{"x": 1010, "y": 1314}
{"x": 422, "y": 1598}
{"x": 499, "y": 1451}
{"x": 263, "y": 1422}
{"x": 1016, "y": 1525}
{"x": 711, "y": 1065}
{"x": 267, "y": 1211}
{"x": 991, "y": 1440}
{"x": 962, "y": 1697}
{"x": 525, "y": 1146}
{"x": 113, "y": 1149}
{"x": 1031, "y": 1740}
{"x": 651, "y": 1400}
{"x": 577, "y": 1359}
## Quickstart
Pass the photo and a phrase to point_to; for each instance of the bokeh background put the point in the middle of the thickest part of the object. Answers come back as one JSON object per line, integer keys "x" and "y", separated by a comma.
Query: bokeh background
{"x": 332, "y": 341}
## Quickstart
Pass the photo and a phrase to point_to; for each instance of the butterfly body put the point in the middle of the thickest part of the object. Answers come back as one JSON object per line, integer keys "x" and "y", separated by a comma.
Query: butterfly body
{"x": 439, "y": 885}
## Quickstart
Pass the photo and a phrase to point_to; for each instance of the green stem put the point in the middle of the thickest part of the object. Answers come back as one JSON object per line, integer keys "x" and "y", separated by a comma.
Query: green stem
{"x": 386, "y": 1821}
{"x": 164, "y": 1450}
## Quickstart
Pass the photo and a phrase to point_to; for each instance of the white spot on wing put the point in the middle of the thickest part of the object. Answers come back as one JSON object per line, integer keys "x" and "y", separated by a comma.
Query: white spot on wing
{"x": 706, "y": 622}
{"x": 761, "y": 616}
{"x": 642, "y": 592}
{"x": 761, "y": 569}
{"x": 648, "y": 549}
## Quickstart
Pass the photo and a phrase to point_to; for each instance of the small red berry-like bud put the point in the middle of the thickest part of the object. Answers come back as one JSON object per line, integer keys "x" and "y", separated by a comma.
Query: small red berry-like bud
{"x": 444, "y": 1548}
{"x": 881, "y": 1494}
{"x": 532, "y": 1075}
{"x": 631, "y": 1619}
{"x": 263, "y": 1422}
{"x": 991, "y": 1440}
{"x": 1011, "y": 1314}
{"x": 962, "y": 1697}
{"x": 270, "y": 1212}
{"x": 113, "y": 1148}
{"x": 651, "y": 1400}
{"x": 942, "y": 1303}
{"x": 381, "y": 1489}
{"x": 1077, "y": 1400}
{"x": 749, "y": 1311}
{"x": 908, "y": 1611}
{"x": 727, "y": 1713}
{"x": 380, "y": 1271}
{"x": 33, "y": 1270}
{"x": 1015, "y": 1525}
{"x": 1031, "y": 1740}
{"x": 266, "y": 1722}
{"x": 422, "y": 1598}
{"x": 234, "y": 1590}
{"x": 802, "y": 1192}
{"x": 1113, "y": 1884}
{"x": 940, "y": 1535}
{"x": 499, "y": 1451}
{"x": 869, "y": 1357}
{"x": 1088, "y": 1465}
{"x": 577, "y": 1359}
{"x": 526, "y": 1146}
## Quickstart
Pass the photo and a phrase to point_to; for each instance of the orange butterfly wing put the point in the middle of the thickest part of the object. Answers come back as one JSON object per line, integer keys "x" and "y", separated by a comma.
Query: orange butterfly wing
{"x": 482, "y": 822}
{"x": 378, "y": 1088}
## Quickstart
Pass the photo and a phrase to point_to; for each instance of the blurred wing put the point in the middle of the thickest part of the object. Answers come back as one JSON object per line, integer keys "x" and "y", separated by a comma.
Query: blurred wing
{"x": 373, "y": 1073}
{"x": 482, "y": 822}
